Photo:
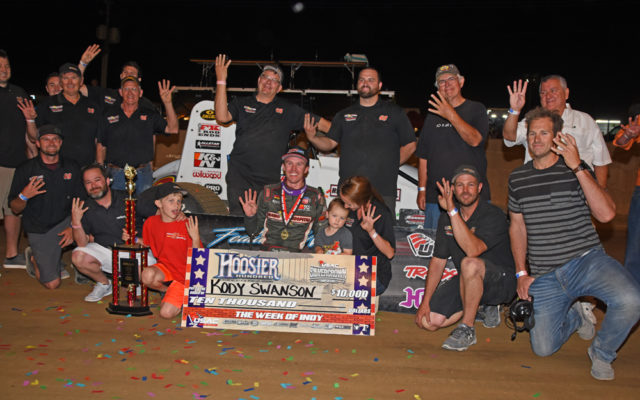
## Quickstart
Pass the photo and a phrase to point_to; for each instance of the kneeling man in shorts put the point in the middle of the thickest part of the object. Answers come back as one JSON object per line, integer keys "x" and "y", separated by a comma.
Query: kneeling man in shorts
{"x": 476, "y": 237}
{"x": 170, "y": 238}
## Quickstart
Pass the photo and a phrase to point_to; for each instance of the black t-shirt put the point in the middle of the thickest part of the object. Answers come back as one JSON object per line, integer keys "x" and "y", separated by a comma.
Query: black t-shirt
{"x": 364, "y": 246}
{"x": 12, "y": 127}
{"x": 489, "y": 224}
{"x": 130, "y": 139}
{"x": 80, "y": 125}
{"x": 262, "y": 134}
{"x": 370, "y": 139}
{"x": 48, "y": 209}
{"x": 106, "y": 224}
{"x": 443, "y": 148}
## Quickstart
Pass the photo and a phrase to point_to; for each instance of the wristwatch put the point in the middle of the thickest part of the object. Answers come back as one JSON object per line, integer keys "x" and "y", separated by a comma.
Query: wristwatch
{"x": 580, "y": 167}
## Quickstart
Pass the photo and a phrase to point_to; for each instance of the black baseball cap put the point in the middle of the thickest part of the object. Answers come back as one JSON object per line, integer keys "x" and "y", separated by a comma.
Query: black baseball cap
{"x": 49, "y": 130}
{"x": 168, "y": 188}
{"x": 465, "y": 170}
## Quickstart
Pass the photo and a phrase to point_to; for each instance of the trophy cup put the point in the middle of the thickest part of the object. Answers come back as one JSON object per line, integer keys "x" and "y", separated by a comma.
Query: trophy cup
{"x": 125, "y": 270}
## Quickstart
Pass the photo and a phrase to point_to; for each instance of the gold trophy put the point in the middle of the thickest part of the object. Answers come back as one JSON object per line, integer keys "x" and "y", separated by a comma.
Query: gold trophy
{"x": 125, "y": 270}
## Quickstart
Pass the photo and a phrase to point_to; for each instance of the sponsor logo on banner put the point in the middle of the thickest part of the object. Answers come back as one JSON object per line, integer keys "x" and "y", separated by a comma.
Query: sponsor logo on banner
{"x": 206, "y": 160}
{"x": 208, "y": 144}
{"x": 327, "y": 273}
{"x": 217, "y": 189}
{"x": 421, "y": 244}
{"x": 209, "y": 130}
{"x": 333, "y": 190}
{"x": 234, "y": 266}
{"x": 414, "y": 219}
{"x": 207, "y": 174}
{"x": 350, "y": 117}
{"x": 208, "y": 115}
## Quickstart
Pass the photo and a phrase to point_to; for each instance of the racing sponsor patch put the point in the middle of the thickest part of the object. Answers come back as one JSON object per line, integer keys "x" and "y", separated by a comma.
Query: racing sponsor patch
{"x": 206, "y": 160}
{"x": 250, "y": 110}
{"x": 421, "y": 244}
{"x": 67, "y": 176}
{"x": 56, "y": 109}
{"x": 207, "y": 174}
{"x": 448, "y": 230}
{"x": 383, "y": 117}
{"x": 350, "y": 117}
{"x": 208, "y": 144}
{"x": 279, "y": 110}
{"x": 301, "y": 219}
{"x": 112, "y": 119}
{"x": 91, "y": 110}
{"x": 143, "y": 118}
{"x": 209, "y": 115}
{"x": 214, "y": 187}
{"x": 209, "y": 130}
{"x": 109, "y": 100}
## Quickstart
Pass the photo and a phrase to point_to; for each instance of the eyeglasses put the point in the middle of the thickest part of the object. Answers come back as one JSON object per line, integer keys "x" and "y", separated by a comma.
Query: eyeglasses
{"x": 552, "y": 91}
{"x": 448, "y": 80}
{"x": 273, "y": 80}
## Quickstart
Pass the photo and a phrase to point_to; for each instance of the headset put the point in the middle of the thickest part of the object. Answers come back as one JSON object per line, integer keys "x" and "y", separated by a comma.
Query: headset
{"x": 520, "y": 311}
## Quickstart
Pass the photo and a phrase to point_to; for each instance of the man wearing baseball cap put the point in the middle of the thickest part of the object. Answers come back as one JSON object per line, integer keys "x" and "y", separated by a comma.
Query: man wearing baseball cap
{"x": 42, "y": 191}
{"x": 263, "y": 125}
{"x": 453, "y": 133}
{"x": 476, "y": 237}
{"x": 76, "y": 116}
{"x": 285, "y": 213}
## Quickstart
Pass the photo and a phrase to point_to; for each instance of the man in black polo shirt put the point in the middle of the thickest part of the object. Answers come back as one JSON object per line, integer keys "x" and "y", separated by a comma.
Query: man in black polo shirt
{"x": 263, "y": 125}
{"x": 97, "y": 224}
{"x": 75, "y": 115}
{"x": 42, "y": 190}
{"x": 12, "y": 154}
{"x": 129, "y": 133}
{"x": 476, "y": 237}
{"x": 375, "y": 138}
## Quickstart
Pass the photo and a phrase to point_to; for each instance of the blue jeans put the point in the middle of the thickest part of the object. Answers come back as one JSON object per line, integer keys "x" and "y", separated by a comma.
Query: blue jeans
{"x": 593, "y": 274}
{"x": 632, "y": 255}
{"x": 143, "y": 181}
{"x": 431, "y": 215}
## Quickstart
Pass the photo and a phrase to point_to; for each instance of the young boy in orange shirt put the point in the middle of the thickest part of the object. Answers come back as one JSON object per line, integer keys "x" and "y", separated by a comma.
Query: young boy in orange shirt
{"x": 169, "y": 240}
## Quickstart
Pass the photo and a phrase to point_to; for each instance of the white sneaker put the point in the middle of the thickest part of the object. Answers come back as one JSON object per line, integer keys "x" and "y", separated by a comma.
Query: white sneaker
{"x": 99, "y": 291}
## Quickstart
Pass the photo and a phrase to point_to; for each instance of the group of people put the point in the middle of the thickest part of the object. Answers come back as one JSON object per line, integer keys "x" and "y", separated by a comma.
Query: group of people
{"x": 547, "y": 250}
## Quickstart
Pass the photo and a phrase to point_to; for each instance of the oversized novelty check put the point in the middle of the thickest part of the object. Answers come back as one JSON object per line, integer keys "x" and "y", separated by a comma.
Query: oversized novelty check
{"x": 270, "y": 291}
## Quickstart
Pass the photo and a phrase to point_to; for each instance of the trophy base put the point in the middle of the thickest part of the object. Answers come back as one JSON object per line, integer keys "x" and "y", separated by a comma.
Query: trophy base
{"x": 135, "y": 311}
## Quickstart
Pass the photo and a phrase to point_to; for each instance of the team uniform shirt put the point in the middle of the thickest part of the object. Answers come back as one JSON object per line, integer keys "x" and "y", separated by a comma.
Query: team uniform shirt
{"x": 336, "y": 243}
{"x": 363, "y": 245}
{"x": 370, "y": 139}
{"x": 48, "y": 209}
{"x": 80, "y": 125}
{"x": 591, "y": 145}
{"x": 12, "y": 127}
{"x": 443, "y": 148}
{"x": 556, "y": 215}
{"x": 262, "y": 135}
{"x": 489, "y": 224}
{"x": 169, "y": 242}
{"x": 308, "y": 217}
{"x": 106, "y": 224}
{"x": 130, "y": 140}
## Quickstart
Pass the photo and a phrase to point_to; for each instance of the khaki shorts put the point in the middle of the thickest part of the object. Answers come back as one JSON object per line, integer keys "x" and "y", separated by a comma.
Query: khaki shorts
{"x": 6, "y": 177}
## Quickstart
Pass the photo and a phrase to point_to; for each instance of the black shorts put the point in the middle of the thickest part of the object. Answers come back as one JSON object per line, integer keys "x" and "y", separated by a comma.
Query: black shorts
{"x": 499, "y": 288}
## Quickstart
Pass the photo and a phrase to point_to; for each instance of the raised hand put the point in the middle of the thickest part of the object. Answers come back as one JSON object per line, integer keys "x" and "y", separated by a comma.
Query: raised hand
{"x": 77, "y": 211}
{"x": 565, "y": 146}
{"x": 368, "y": 217}
{"x": 441, "y": 106}
{"x": 34, "y": 187}
{"x": 517, "y": 94}
{"x": 445, "y": 198}
{"x": 166, "y": 90}
{"x": 310, "y": 125}
{"x": 249, "y": 203}
{"x": 27, "y": 108}
{"x": 222, "y": 67}
{"x": 192, "y": 229}
{"x": 90, "y": 53}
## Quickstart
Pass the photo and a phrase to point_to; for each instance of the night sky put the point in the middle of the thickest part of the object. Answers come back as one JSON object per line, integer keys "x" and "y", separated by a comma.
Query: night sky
{"x": 594, "y": 44}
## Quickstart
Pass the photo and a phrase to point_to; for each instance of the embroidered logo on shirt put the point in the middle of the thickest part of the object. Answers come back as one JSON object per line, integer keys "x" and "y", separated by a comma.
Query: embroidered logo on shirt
{"x": 109, "y": 100}
{"x": 91, "y": 110}
{"x": 249, "y": 110}
{"x": 350, "y": 117}
{"x": 113, "y": 119}
{"x": 176, "y": 235}
{"x": 56, "y": 109}
{"x": 448, "y": 230}
{"x": 279, "y": 110}
{"x": 143, "y": 118}
{"x": 67, "y": 176}
{"x": 383, "y": 117}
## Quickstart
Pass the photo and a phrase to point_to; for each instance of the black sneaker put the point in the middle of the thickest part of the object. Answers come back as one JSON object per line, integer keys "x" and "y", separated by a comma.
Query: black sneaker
{"x": 15, "y": 262}
{"x": 80, "y": 279}
{"x": 461, "y": 338}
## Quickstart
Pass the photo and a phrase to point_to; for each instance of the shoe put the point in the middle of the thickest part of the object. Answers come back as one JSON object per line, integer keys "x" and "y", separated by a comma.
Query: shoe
{"x": 461, "y": 338}
{"x": 587, "y": 328}
{"x": 15, "y": 262}
{"x": 64, "y": 274}
{"x": 489, "y": 316}
{"x": 31, "y": 269}
{"x": 99, "y": 291}
{"x": 601, "y": 370}
{"x": 79, "y": 278}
